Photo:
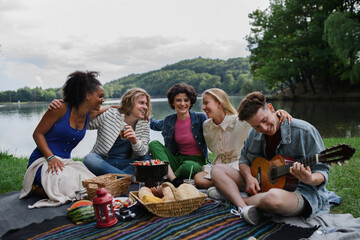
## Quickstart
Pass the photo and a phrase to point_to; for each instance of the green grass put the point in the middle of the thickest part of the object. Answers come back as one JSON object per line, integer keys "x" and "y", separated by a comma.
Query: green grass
{"x": 12, "y": 171}
{"x": 343, "y": 179}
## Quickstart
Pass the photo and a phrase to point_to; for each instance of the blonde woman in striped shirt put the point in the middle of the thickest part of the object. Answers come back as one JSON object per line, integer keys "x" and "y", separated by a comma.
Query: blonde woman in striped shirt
{"x": 113, "y": 153}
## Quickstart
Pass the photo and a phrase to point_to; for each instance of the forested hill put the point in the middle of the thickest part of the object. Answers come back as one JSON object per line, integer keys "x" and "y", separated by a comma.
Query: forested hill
{"x": 232, "y": 75}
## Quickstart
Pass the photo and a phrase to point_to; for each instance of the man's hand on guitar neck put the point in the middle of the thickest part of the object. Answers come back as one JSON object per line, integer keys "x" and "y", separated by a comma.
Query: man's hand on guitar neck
{"x": 305, "y": 175}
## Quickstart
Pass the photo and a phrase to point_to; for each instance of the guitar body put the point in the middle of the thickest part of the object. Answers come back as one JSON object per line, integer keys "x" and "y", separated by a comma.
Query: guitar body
{"x": 264, "y": 170}
{"x": 275, "y": 173}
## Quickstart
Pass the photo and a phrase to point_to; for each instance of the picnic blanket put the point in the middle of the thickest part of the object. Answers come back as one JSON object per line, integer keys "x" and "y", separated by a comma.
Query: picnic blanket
{"x": 331, "y": 226}
{"x": 15, "y": 214}
{"x": 212, "y": 220}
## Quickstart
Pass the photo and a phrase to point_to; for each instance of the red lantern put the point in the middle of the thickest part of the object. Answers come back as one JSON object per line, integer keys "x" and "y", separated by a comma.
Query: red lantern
{"x": 103, "y": 207}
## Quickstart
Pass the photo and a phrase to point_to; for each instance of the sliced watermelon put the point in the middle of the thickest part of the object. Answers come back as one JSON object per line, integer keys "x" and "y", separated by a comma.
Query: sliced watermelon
{"x": 82, "y": 214}
{"x": 80, "y": 203}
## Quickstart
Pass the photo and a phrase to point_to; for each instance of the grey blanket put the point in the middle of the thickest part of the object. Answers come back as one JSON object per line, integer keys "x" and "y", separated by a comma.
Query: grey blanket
{"x": 332, "y": 226}
{"x": 14, "y": 212}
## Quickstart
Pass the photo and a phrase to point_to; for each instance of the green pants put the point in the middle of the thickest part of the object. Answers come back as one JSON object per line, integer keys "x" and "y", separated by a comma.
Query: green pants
{"x": 180, "y": 164}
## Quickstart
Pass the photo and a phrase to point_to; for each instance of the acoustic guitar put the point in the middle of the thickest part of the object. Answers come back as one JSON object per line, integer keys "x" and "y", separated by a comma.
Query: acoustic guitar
{"x": 276, "y": 172}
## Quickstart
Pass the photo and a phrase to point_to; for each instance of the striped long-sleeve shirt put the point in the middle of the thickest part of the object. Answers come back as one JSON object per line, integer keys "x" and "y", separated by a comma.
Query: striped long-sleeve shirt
{"x": 109, "y": 125}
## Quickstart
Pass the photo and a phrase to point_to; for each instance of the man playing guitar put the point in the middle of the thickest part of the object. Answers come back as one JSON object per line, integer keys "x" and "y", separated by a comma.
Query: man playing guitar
{"x": 268, "y": 138}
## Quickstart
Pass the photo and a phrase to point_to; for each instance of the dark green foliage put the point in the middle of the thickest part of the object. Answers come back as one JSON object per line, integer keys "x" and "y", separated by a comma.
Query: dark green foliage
{"x": 342, "y": 31}
{"x": 27, "y": 94}
{"x": 288, "y": 46}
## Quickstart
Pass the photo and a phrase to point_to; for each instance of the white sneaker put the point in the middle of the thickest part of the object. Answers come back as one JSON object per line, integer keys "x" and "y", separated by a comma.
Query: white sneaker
{"x": 250, "y": 214}
{"x": 212, "y": 192}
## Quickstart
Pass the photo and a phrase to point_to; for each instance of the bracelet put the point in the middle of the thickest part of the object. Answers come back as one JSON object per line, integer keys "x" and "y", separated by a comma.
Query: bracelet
{"x": 49, "y": 158}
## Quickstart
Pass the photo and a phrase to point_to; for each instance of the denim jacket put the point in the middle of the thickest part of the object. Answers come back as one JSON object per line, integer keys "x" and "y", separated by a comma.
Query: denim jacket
{"x": 167, "y": 126}
{"x": 300, "y": 140}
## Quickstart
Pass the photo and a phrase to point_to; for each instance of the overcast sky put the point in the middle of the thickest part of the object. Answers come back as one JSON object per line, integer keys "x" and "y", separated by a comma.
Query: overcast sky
{"x": 42, "y": 41}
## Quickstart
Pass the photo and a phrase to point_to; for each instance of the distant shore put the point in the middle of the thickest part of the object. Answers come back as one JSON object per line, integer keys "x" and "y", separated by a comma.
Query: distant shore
{"x": 341, "y": 93}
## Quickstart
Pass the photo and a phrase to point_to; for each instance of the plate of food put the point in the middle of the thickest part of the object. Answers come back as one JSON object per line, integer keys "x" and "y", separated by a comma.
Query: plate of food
{"x": 123, "y": 202}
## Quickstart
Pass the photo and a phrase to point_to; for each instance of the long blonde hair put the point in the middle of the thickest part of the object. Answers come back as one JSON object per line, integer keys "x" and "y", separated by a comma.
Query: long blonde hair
{"x": 128, "y": 100}
{"x": 221, "y": 96}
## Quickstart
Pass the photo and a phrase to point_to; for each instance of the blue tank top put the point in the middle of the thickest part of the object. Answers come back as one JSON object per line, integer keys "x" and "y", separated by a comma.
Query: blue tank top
{"x": 61, "y": 138}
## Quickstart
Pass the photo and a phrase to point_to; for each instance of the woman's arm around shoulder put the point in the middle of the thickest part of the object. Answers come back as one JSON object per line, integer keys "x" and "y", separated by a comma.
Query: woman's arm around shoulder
{"x": 95, "y": 113}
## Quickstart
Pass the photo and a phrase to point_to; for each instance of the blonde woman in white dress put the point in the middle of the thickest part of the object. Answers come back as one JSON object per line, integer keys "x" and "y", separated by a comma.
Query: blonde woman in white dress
{"x": 224, "y": 133}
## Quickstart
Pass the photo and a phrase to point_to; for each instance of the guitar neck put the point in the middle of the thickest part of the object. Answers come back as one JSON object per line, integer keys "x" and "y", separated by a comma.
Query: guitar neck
{"x": 338, "y": 153}
{"x": 283, "y": 170}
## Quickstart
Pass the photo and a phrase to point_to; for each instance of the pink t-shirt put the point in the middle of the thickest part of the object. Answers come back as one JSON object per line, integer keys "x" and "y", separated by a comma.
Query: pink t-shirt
{"x": 184, "y": 138}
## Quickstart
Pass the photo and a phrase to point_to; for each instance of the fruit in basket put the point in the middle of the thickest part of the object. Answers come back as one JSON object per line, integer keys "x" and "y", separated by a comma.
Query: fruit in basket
{"x": 151, "y": 199}
{"x": 82, "y": 214}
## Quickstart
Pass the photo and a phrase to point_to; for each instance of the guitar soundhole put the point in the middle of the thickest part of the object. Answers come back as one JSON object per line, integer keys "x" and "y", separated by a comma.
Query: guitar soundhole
{"x": 272, "y": 175}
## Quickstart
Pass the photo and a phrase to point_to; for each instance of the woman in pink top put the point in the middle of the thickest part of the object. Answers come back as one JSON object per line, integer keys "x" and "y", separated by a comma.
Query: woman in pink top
{"x": 185, "y": 146}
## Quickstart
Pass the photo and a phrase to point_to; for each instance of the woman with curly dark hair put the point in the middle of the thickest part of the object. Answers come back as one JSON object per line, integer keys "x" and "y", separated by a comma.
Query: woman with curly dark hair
{"x": 57, "y": 134}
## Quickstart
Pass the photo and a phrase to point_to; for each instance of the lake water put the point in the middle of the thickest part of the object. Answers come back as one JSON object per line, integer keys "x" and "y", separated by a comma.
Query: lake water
{"x": 18, "y": 121}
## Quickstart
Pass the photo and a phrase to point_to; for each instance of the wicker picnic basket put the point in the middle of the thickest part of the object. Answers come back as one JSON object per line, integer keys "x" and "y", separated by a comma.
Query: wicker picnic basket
{"x": 115, "y": 184}
{"x": 172, "y": 208}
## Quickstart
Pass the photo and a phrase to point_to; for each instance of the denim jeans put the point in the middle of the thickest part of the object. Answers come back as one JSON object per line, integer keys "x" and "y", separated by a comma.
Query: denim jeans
{"x": 118, "y": 160}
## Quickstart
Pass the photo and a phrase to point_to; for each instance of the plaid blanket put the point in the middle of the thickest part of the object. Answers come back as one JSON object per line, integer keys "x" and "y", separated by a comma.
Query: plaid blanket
{"x": 211, "y": 221}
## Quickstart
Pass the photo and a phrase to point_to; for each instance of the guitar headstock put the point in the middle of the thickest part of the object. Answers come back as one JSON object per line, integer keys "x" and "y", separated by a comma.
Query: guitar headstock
{"x": 339, "y": 153}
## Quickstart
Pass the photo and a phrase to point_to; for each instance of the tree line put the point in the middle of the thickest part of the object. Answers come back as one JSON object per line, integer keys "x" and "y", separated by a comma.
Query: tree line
{"x": 314, "y": 43}
{"x": 28, "y": 94}
{"x": 232, "y": 75}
